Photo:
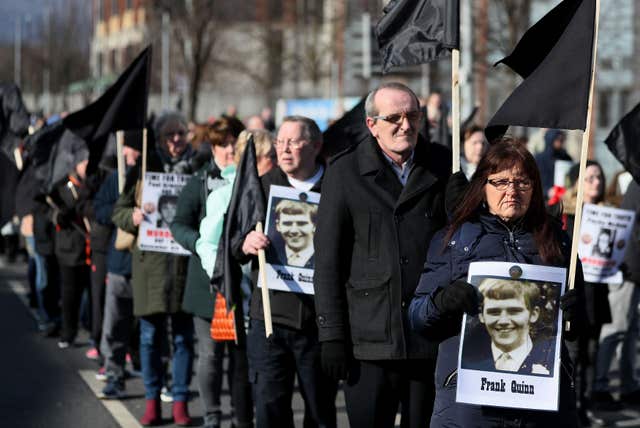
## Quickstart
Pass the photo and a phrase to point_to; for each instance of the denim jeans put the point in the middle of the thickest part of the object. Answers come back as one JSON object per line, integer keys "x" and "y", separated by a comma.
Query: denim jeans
{"x": 152, "y": 328}
{"x": 624, "y": 304}
{"x": 117, "y": 325}
{"x": 41, "y": 278}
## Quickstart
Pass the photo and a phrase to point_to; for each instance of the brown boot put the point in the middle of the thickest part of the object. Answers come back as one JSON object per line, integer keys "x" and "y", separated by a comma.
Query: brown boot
{"x": 181, "y": 413}
{"x": 152, "y": 413}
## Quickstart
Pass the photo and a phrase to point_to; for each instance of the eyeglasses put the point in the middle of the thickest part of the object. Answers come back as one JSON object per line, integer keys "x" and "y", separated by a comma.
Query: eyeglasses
{"x": 503, "y": 184}
{"x": 294, "y": 144}
{"x": 397, "y": 118}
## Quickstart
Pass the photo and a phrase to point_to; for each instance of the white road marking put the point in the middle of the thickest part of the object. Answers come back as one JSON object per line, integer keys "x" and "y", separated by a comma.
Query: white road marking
{"x": 117, "y": 409}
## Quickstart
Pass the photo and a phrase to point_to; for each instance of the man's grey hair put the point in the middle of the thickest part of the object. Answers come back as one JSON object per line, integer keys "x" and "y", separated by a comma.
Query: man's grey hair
{"x": 369, "y": 104}
{"x": 310, "y": 130}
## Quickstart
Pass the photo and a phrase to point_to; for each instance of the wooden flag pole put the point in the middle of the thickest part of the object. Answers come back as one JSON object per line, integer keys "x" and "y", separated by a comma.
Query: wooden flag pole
{"x": 584, "y": 153}
{"x": 120, "y": 157}
{"x": 455, "y": 110}
{"x": 266, "y": 302}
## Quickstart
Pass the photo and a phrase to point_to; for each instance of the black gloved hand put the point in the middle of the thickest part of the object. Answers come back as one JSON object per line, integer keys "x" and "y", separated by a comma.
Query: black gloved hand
{"x": 457, "y": 297}
{"x": 334, "y": 359}
{"x": 572, "y": 305}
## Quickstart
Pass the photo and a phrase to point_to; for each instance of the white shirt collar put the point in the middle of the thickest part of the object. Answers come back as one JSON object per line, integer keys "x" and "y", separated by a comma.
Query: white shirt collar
{"x": 402, "y": 172}
{"x": 307, "y": 185}
{"x": 518, "y": 355}
{"x": 298, "y": 259}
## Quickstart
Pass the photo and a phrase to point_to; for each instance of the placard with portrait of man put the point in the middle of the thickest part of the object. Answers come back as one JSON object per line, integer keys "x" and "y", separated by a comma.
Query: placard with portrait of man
{"x": 605, "y": 233}
{"x": 509, "y": 351}
{"x": 159, "y": 203}
{"x": 291, "y": 226}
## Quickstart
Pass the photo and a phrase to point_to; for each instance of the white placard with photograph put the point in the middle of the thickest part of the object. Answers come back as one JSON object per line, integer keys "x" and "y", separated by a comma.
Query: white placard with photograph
{"x": 159, "y": 203}
{"x": 604, "y": 237}
{"x": 510, "y": 352}
{"x": 291, "y": 225}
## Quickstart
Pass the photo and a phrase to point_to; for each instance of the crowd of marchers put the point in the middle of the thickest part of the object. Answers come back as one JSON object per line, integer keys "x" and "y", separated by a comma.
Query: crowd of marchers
{"x": 390, "y": 246}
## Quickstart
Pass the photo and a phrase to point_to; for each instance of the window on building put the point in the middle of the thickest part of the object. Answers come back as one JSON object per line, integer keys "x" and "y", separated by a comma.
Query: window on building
{"x": 604, "y": 109}
{"x": 114, "y": 7}
{"x": 100, "y": 6}
{"x": 625, "y": 95}
{"x": 129, "y": 4}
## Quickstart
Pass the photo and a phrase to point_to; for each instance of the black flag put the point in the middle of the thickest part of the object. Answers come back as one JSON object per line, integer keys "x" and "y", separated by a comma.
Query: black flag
{"x": 14, "y": 119}
{"x": 345, "y": 132}
{"x": 122, "y": 107}
{"x": 555, "y": 58}
{"x": 418, "y": 31}
{"x": 247, "y": 207}
{"x": 624, "y": 142}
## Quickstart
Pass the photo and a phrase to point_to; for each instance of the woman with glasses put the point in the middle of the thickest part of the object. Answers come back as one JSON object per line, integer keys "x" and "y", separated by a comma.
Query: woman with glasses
{"x": 158, "y": 280}
{"x": 598, "y": 310}
{"x": 501, "y": 217}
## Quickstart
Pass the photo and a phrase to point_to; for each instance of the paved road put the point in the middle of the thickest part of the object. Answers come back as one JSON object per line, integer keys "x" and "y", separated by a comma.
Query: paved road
{"x": 43, "y": 386}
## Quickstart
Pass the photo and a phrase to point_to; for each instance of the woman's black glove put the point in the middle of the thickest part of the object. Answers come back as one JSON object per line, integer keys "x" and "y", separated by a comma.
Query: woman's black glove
{"x": 572, "y": 305}
{"x": 334, "y": 359}
{"x": 457, "y": 297}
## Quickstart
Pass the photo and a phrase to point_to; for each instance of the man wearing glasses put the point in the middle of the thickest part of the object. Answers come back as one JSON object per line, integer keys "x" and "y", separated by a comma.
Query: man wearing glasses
{"x": 293, "y": 349}
{"x": 382, "y": 201}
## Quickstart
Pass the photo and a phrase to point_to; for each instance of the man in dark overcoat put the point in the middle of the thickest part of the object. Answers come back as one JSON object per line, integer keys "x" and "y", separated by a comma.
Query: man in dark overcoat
{"x": 381, "y": 203}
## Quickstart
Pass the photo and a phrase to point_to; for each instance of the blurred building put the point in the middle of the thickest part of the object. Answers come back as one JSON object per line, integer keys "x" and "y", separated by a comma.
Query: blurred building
{"x": 119, "y": 33}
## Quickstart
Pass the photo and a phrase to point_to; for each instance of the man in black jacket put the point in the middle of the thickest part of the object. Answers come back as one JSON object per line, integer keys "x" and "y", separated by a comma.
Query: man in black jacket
{"x": 293, "y": 347}
{"x": 382, "y": 202}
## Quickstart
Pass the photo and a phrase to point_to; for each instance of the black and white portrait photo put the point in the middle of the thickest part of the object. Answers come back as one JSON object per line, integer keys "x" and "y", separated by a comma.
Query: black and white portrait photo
{"x": 511, "y": 332}
{"x": 167, "y": 205}
{"x": 509, "y": 350}
{"x": 292, "y": 235}
{"x": 603, "y": 244}
{"x": 291, "y": 226}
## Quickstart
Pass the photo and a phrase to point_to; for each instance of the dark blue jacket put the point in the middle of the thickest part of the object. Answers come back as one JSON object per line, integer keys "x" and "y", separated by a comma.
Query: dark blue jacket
{"x": 485, "y": 239}
{"x": 118, "y": 262}
{"x": 546, "y": 160}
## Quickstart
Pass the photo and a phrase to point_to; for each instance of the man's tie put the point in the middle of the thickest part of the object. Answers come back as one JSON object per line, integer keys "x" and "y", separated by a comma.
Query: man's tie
{"x": 505, "y": 362}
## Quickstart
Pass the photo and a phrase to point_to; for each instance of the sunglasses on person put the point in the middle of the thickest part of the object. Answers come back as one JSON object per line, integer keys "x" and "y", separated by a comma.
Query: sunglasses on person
{"x": 397, "y": 118}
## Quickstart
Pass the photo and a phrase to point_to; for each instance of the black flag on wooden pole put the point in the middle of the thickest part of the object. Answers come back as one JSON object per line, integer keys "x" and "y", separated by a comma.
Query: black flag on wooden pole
{"x": 554, "y": 57}
{"x": 414, "y": 32}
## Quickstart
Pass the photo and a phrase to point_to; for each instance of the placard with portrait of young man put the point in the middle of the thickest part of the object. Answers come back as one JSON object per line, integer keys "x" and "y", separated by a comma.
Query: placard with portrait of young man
{"x": 291, "y": 226}
{"x": 604, "y": 236}
{"x": 509, "y": 352}
{"x": 159, "y": 202}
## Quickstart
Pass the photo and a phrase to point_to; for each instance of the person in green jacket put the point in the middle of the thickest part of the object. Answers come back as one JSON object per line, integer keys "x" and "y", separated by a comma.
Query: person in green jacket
{"x": 158, "y": 279}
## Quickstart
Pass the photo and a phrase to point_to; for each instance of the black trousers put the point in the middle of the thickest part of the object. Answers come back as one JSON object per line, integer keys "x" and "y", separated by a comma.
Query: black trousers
{"x": 375, "y": 388}
{"x": 51, "y": 293}
{"x": 74, "y": 281}
{"x": 98, "y": 277}
{"x": 273, "y": 365}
